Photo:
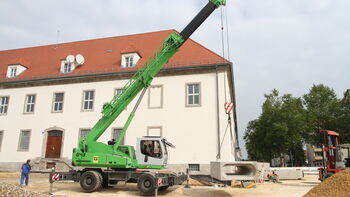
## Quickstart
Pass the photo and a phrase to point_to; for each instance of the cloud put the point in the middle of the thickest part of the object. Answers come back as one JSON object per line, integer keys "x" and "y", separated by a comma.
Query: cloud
{"x": 283, "y": 44}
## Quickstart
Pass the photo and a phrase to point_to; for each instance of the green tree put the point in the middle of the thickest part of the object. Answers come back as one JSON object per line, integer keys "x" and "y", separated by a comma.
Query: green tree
{"x": 343, "y": 119}
{"x": 278, "y": 131}
{"x": 322, "y": 108}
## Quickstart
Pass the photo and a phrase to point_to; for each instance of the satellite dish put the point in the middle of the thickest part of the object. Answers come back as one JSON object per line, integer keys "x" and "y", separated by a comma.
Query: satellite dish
{"x": 70, "y": 58}
{"x": 80, "y": 59}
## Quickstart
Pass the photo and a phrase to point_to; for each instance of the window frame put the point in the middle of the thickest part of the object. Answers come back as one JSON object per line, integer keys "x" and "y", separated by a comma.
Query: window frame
{"x": 116, "y": 91}
{"x": 115, "y": 94}
{"x": 194, "y": 167}
{"x": 13, "y": 72}
{"x": 128, "y": 63}
{"x": 5, "y": 105}
{"x": 26, "y": 103}
{"x": 54, "y": 102}
{"x": 79, "y": 133}
{"x": 2, "y": 132}
{"x": 19, "y": 149}
{"x": 199, "y": 94}
{"x": 83, "y": 101}
{"x": 161, "y": 86}
{"x": 112, "y": 135}
{"x": 65, "y": 65}
{"x": 155, "y": 127}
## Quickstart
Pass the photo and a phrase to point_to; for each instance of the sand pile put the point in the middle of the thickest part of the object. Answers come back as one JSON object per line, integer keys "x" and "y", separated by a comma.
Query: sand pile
{"x": 337, "y": 185}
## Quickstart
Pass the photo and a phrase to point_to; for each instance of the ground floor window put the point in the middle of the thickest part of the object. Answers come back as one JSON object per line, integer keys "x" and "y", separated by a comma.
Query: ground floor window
{"x": 24, "y": 139}
{"x": 1, "y": 137}
{"x": 193, "y": 167}
{"x": 116, "y": 133}
{"x": 83, "y": 133}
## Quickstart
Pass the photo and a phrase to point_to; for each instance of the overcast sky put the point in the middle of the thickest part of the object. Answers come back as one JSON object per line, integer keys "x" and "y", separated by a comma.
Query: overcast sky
{"x": 284, "y": 44}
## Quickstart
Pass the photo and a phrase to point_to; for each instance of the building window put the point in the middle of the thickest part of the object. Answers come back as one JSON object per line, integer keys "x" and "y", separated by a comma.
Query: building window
{"x": 66, "y": 67}
{"x": 4, "y": 102}
{"x": 154, "y": 131}
{"x": 1, "y": 137}
{"x": 13, "y": 72}
{"x": 83, "y": 133}
{"x": 193, "y": 95}
{"x": 116, "y": 133}
{"x": 118, "y": 91}
{"x": 193, "y": 167}
{"x": 155, "y": 97}
{"x": 88, "y": 100}
{"x": 57, "y": 102}
{"x": 129, "y": 61}
{"x": 24, "y": 139}
{"x": 29, "y": 103}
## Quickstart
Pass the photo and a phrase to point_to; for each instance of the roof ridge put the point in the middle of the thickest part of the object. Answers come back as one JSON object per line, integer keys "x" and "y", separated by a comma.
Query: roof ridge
{"x": 95, "y": 39}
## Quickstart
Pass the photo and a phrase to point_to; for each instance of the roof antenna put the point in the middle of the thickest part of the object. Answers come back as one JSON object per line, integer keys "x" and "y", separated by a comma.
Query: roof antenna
{"x": 57, "y": 38}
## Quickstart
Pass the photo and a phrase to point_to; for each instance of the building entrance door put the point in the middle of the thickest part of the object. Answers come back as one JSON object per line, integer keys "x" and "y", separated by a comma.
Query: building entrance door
{"x": 53, "y": 144}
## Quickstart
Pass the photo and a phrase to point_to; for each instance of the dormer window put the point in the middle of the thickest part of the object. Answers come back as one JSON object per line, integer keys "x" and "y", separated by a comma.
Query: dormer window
{"x": 14, "y": 70}
{"x": 66, "y": 67}
{"x": 130, "y": 57}
{"x": 129, "y": 61}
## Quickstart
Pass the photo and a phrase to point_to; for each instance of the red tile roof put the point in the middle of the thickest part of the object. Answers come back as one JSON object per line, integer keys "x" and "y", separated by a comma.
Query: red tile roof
{"x": 129, "y": 49}
{"x": 101, "y": 56}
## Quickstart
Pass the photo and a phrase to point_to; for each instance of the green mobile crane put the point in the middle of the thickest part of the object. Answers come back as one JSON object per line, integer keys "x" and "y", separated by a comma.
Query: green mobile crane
{"x": 106, "y": 164}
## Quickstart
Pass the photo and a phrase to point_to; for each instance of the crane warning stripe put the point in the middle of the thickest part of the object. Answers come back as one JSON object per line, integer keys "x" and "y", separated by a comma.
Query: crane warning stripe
{"x": 55, "y": 177}
{"x": 228, "y": 107}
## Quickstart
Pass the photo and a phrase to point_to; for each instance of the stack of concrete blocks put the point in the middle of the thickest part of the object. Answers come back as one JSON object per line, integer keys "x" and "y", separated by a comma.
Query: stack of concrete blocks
{"x": 263, "y": 170}
{"x": 238, "y": 170}
{"x": 289, "y": 173}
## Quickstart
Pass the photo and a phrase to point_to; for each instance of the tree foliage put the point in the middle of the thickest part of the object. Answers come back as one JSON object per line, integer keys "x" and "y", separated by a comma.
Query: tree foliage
{"x": 287, "y": 123}
{"x": 321, "y": 107}
{"x": 278, "y": 130}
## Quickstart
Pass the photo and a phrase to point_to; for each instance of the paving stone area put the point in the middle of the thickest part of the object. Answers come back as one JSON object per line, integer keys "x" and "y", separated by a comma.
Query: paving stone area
{"x": 7, "y": 189}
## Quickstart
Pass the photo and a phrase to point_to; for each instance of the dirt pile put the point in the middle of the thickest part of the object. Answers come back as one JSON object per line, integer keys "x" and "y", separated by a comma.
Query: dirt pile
{"x": 7, "y": 189}
{"x": 337, "y": 185}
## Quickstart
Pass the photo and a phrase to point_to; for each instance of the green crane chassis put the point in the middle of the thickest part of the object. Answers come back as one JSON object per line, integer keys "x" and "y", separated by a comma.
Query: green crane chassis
{"x": 92, "y": 179}
{"x": 106, "y": 170}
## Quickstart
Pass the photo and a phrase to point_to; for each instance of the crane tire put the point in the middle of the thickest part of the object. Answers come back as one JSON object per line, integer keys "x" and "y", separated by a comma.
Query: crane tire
{"x": 90, "y": 181}
{"x": 146, "y": 184}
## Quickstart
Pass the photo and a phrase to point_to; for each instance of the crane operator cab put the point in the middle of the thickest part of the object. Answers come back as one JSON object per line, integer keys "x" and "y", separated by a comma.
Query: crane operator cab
{"x": 152, "y": 150}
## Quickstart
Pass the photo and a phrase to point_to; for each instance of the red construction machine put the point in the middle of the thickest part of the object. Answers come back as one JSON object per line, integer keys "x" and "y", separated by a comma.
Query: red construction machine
{"x": 335, "y": 157}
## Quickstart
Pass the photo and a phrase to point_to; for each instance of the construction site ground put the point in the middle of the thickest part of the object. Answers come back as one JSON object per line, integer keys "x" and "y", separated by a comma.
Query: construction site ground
{"x": 288, "y": 188}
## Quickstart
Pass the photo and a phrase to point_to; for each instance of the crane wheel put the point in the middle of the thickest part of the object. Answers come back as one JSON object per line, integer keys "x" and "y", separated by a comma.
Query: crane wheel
{"x": 146, "y": 184}
{"x": 90, "y": 181}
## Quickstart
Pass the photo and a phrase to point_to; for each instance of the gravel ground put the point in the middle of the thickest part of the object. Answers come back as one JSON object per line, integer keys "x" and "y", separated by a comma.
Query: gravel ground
{"x": 39, "y": 186}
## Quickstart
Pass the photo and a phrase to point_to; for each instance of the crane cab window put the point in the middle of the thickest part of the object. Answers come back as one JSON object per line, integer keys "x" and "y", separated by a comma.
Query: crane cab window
{"x": 151, "y": 148}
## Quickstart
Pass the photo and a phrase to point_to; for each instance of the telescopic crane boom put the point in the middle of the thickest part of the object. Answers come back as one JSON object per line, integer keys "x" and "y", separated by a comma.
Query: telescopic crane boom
{"x": 91, "y": 153}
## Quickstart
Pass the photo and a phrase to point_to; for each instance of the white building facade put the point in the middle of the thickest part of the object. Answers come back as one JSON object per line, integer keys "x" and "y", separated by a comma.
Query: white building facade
{"x": 45, "y": 115}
